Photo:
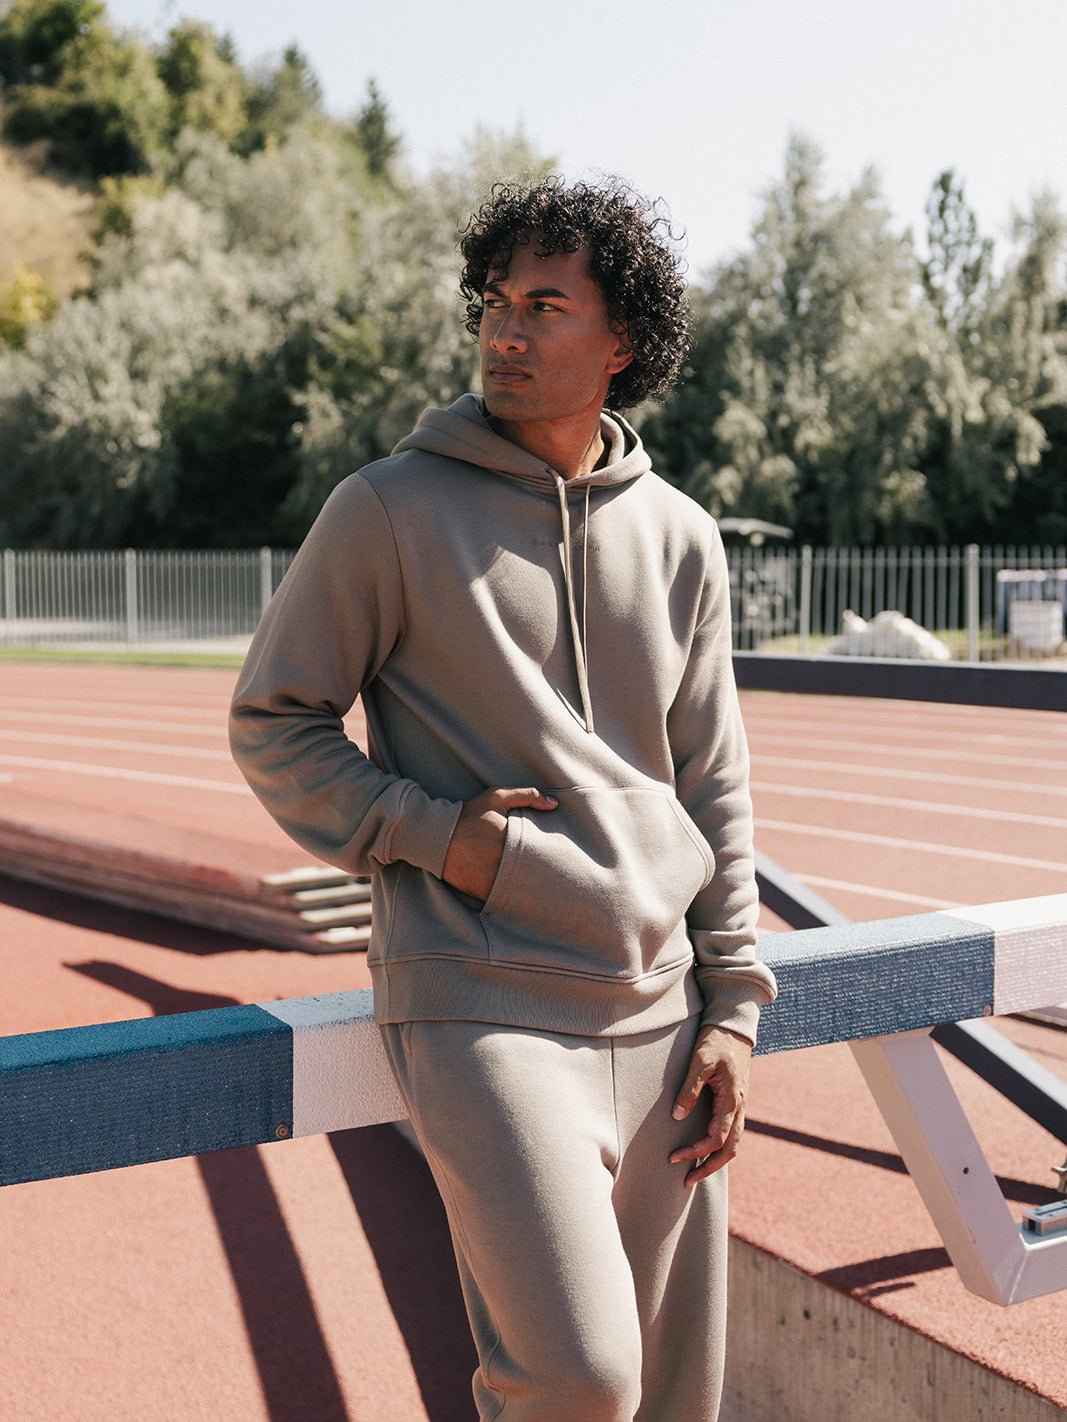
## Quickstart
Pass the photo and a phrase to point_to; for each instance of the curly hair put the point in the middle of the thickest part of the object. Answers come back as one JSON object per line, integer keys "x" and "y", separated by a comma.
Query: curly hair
{"x": 632, "y": 258}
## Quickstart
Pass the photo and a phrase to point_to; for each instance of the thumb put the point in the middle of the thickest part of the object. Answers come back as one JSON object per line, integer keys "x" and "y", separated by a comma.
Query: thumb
{"x": 514, "y": 798}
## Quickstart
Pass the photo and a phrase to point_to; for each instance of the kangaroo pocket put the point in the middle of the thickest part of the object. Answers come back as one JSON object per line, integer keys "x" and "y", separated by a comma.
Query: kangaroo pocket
{"x": 599, "y": 885}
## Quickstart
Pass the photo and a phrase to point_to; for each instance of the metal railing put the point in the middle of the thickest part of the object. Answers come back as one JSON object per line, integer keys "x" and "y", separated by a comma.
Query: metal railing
{"x": 133, "y": 598}
{"x": 984, "y": 604}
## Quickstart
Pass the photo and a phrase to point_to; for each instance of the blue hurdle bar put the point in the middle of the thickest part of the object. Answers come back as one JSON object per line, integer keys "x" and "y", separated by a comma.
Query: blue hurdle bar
{"x": 96, "y": 1098}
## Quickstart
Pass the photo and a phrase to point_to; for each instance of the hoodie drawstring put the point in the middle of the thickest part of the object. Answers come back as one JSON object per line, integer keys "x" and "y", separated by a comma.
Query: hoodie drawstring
{"x": 578, "y": 632}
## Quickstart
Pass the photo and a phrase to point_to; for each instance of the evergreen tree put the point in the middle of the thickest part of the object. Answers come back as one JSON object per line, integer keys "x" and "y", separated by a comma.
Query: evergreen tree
{"x": 205, "y": 84}
{"x": 375, "y": 136}
{"x": 279, "y": 98}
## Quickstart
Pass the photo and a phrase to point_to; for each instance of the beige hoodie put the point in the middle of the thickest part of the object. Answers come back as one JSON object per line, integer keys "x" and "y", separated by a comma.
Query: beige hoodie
{"x": 508, "y": 627}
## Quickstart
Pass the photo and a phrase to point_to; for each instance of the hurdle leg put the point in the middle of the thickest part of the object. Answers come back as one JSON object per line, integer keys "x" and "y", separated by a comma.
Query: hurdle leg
{"x": 939, "y": 1148}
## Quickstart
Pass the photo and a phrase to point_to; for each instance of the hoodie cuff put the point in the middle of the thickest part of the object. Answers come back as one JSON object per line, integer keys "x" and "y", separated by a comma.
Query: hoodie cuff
{"x": 734, "y": 1005}
{"x": 423, "y": 831}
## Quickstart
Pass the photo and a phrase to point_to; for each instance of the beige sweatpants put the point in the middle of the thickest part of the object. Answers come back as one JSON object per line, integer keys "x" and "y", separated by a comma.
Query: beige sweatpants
{"x": 595, "y": 1282}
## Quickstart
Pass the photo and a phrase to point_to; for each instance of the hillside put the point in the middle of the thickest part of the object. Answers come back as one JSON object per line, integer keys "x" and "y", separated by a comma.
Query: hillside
{"x": 45, "y": 224}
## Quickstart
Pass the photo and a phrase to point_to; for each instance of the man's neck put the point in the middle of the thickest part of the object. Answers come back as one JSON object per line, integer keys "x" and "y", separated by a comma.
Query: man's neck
{"x": 572, "y": 449}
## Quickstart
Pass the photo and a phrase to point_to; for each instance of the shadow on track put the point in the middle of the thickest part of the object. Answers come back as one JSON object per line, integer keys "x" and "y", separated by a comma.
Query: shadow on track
{"x": 404, "y": 1222}
{"x": 291, "y": 1356}
{"x": 82, "y": 912}
{"x": 1021, "y": 1191}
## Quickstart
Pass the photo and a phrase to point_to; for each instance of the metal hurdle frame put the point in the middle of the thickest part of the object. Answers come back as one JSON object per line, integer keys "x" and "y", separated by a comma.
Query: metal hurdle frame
{"x": 95, "y": 1098}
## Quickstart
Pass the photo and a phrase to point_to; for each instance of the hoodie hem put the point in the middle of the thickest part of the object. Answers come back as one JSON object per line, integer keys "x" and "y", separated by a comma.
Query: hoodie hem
{"x": 434, "y": 989}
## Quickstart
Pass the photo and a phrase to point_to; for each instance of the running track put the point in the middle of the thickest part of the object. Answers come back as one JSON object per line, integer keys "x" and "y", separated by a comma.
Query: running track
{"x": 313, "y": 1280}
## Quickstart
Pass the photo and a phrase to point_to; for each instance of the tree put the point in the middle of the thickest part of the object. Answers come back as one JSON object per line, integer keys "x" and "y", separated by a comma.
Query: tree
{"x": 395, "y": 341}
{"x": 957, "y": 272}
{"x": 375, "y": 136}
{"x": 204, "y": 81}
{"x": 256, "y": 330}
{"x": 36, "y": 35}
{"x": 280, "y": 98}
{"x": 1001, "y": 364}
{"x": 842, "y": 386}
{"x": 93, "y": 94}
{"x": 800, "y": 406}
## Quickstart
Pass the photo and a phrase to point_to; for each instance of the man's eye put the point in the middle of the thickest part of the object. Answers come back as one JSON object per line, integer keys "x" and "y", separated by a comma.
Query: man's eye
{"x": 489, "y": 302}
{"x": 545, "y": 306}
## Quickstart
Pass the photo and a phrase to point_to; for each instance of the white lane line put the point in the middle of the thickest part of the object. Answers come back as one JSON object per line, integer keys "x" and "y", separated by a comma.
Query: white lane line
{"x": 112, "y": 772}
{"x": 867, "y": 746}
{"x": 869, "y": 891}
{"x": 930, "y": 807}
{"x": 106, "y": 743}
{"x": 934, "y": 777}
{"x": 118, "y": 723}
{"x": 951, "y": 851}
{"x": 48, "y": 703}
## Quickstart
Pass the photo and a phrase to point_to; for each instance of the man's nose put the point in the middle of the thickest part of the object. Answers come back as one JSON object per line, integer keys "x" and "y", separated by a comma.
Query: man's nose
{"x": 506, "y": 333}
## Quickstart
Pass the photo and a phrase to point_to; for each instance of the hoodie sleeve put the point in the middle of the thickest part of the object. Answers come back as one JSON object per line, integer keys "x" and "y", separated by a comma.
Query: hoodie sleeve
{"x": 711, "y": 770}
{"x": 333, "y": 622}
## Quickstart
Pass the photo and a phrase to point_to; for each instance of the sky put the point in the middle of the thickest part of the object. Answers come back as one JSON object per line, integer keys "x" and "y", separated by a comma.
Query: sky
{"x": 694, "y": 100}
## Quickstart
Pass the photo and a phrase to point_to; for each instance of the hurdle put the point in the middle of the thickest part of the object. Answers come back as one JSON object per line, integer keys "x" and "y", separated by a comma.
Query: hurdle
{"x": 96, "y": 1098}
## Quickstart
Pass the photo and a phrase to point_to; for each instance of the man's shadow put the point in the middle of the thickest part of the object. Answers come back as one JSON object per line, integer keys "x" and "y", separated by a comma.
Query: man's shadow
{"x": 404, "y": 1222}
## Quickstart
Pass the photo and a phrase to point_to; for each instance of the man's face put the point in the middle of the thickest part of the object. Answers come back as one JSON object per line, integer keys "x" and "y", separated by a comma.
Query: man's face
{"x": 548, "y": 350}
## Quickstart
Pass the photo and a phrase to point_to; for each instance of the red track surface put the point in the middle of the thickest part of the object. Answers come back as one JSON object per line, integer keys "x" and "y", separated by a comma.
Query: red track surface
{"x": 313, "y": 1280}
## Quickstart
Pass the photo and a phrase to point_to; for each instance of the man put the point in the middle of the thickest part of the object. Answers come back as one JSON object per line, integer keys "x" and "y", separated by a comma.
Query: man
{"x": 555, "y": 810}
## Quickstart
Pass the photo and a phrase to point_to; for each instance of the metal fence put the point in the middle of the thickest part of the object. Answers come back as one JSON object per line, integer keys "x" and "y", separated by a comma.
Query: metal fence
{"x": 985, "y": 604}
{"x": 136, "y": 599}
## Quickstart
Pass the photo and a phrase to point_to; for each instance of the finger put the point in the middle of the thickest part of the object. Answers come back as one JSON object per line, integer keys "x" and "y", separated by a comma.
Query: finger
{"x": 707, "y": 1167}
{"x": 718, "y": 1158}
{"x": 518, "y": 798}
{"x": 715, "y": 1140}
{"x": 693, "y": 1085}
{"x": 719, "y": 1135}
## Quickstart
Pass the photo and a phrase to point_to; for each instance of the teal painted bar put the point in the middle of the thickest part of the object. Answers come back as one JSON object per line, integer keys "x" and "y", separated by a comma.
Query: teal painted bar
{"x": 125, "y": 1093}
{"x": 858, "y": 980}
{"x": 95, "y": 1098}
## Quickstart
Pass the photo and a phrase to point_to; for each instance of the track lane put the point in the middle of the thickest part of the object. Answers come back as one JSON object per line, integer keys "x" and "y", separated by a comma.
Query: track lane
{"x": 66, "y": 962}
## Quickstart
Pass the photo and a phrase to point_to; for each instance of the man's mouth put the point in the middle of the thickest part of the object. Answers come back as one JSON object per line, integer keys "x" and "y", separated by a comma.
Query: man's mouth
{"x": 508, "y": 374}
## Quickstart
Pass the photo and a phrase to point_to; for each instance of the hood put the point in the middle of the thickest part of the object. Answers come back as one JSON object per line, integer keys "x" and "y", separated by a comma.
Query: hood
{"x": 463, "y": 432}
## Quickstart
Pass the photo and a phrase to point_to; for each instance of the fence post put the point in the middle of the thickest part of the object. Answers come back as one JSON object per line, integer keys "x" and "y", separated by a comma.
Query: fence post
{"x": 131, "y": 596}
{"x": 973, "y": 606}
{"x": 266, "y": 579}
{"x": 805, "y": 596}
{"x": 9, "y": 584}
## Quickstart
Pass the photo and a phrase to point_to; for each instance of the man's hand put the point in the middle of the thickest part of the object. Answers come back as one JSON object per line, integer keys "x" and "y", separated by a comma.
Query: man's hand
{"x": 477, "y": 843}
{"x": 720, "y": 1062}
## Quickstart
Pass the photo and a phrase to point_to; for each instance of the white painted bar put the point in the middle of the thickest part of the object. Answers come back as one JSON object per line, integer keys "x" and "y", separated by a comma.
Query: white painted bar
{"x": 341, "y": 1077}
{"x": 1030, "y": 962}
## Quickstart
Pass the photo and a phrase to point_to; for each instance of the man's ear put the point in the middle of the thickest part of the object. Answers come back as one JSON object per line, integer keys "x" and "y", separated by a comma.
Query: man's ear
{"x": 623, "y": 354}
